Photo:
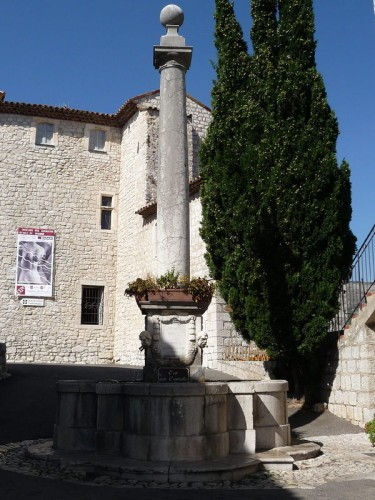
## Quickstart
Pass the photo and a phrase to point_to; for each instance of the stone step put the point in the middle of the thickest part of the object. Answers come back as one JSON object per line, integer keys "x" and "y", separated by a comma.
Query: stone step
{"x": 283, "y": 458}
{"x": 275, "y": 460}
{"x": 231, "y": 468}
{"x": 363, "y": 312}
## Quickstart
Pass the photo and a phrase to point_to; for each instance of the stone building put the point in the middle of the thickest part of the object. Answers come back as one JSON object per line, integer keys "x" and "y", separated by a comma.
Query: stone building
{"x": 90, "y": 179}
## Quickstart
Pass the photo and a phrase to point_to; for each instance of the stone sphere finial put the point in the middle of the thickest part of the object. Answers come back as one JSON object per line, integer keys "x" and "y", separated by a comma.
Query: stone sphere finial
{"x": 172, "y": 15}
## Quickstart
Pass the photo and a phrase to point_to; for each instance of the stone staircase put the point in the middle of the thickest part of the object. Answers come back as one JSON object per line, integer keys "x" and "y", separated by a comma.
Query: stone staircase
{"x": 364, "y": 313}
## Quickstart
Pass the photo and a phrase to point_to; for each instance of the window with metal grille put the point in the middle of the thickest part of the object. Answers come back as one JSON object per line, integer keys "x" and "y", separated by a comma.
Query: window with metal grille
{"x": 106, "y": 213}
{"x": 92, "y": 305}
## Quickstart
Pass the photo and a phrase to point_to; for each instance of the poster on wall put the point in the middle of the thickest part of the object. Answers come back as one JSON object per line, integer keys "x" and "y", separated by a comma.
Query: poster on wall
{"x": 35, "y": 254}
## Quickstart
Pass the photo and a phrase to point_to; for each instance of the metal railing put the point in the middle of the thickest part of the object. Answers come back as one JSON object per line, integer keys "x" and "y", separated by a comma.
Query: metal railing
{"x": 360, "y": 282}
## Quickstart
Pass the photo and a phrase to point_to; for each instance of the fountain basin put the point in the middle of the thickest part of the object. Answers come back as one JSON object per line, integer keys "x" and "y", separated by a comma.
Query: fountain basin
{"x": 171, "y": 421}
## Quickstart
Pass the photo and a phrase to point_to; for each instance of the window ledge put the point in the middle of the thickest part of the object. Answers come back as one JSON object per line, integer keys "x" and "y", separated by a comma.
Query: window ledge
{"x": 98, "y": 151}
{"x": 91, "y": 327}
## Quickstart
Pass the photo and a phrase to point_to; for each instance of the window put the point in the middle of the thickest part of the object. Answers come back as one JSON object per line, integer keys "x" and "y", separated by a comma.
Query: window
{"x": 92, "y": 305}
{"x": 44, "y": 134}
{"x": 97, "y": 140}
{"x": 106, "y": 212}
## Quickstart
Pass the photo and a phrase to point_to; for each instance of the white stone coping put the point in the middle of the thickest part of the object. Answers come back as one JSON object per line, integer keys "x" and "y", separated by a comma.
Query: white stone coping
{"x": 247, "y": 387}
{"x": 173, "y": 389}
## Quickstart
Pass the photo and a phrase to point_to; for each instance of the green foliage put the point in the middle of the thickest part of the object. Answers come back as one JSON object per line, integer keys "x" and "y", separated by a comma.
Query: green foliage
{"x": 168, "y": 280}
{"x": 225, "y": 141}
{"x": 141, "y": 286}
{"x": 276, "y": 205}
{"x": 201, "y": 289}
{"x": 370, "y": 430}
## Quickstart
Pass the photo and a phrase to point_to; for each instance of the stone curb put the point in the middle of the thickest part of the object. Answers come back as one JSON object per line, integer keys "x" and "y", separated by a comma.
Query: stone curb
{"x": 344, "y": 456}
{"x": 232, "y": 468}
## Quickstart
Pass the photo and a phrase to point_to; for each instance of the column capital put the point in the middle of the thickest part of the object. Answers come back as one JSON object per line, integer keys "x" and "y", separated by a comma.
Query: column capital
{"x": 166, "y": 54}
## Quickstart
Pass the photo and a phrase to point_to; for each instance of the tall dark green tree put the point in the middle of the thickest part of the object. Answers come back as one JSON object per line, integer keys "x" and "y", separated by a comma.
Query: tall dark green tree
{"x": 276, "y": 204}
{"x": 222, "y": 151}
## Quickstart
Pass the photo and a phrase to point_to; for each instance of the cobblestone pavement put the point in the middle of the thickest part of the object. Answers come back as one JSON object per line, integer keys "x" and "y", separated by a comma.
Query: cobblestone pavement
{"x": 344, "y": 457}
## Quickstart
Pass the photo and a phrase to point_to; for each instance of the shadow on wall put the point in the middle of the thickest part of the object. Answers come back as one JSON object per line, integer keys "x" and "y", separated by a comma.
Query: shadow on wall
{"x": 31, "y": 391}
{"x": 302, "y": 417}
{"x": 197, "y": 141}
{"x": 329, "y": 355}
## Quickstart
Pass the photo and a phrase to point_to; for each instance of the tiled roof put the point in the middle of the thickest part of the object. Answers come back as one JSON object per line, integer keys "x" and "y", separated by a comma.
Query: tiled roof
{"x": 63, "y": 113}
{"x": 150, "y": 208}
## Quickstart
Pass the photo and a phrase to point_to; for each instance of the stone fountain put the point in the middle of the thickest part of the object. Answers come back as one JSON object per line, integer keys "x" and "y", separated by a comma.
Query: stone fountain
{"x": 190, "y": 427}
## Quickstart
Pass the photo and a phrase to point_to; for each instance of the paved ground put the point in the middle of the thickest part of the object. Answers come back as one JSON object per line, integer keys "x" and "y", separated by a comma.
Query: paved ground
{"x": 346, "y": 470}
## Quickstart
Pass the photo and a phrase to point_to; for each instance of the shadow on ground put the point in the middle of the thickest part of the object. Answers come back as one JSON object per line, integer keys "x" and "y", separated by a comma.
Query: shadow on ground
{"x": 28, "y": 398}
{"x": 27, "y": 411}
{"x": 305, "y": 424}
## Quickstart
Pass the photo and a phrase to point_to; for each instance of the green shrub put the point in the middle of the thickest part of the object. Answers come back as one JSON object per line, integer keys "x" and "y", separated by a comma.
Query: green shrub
{"x": 370, "y": 430}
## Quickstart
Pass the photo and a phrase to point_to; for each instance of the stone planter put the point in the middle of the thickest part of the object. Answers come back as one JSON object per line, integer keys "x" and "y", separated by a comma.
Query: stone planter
{"x": 170, "y": 298}
{"x": 170, "y": 295}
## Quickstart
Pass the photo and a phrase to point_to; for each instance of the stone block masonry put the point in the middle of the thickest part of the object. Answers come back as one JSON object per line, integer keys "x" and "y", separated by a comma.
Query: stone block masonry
{"x": 3, "y": 361}
{"x": 350, "y": 377}
{"x": 137, "y": 236}
{"x": 58, "y": 186}
{"x": 164, "y": 422}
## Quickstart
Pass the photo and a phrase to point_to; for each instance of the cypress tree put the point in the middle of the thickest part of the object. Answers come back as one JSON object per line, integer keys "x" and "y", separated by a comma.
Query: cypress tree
{"x": 281, "y": 265}
{"x": 222, "y": 150}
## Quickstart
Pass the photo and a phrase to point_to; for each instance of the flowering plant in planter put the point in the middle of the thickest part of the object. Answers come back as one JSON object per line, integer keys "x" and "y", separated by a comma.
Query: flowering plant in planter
{"x": 200, "y": 289}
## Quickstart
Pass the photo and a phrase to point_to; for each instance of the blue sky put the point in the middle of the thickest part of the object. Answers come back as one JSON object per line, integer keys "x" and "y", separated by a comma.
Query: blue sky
{"x": 96, "y": 54}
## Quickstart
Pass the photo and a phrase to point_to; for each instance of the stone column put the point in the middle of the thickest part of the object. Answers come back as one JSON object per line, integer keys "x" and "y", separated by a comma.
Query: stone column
{"x": 172, "y": 58}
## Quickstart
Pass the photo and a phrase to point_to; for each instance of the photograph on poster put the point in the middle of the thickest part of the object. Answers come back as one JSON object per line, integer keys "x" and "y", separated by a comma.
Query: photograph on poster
{"x": 34, "y": 262}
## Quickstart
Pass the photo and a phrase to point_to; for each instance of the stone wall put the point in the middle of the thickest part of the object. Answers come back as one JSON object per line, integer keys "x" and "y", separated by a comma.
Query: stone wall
{"x": 137, "y": 235}
{"x": 59, "y": 187}
{"x": 3, "y": 361}
{"x": 227, "y": 351}
{"x": 350, "y": 378}
{"x": 136, "y": 245}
